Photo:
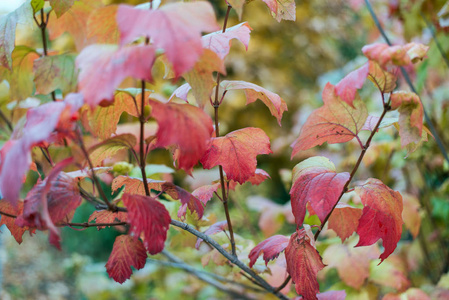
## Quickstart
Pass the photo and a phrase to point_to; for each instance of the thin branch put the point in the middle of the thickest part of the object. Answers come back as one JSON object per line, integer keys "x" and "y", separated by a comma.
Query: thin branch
{"x": 7, "y": 214}
{"x": 86, "y": 224}
{"x": 410, "y": 84}
{"x": 141, "y": 141}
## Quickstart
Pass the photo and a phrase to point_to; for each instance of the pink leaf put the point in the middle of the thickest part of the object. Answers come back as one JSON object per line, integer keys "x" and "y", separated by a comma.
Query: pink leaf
{"x": 186, "y": 198}
{"x": 271, "y": 248}
{"x": 213, "y": 229}
{"x": 346, "y": 89}
{"x": 282, "y": 9}
{"x": 206, "y": 192}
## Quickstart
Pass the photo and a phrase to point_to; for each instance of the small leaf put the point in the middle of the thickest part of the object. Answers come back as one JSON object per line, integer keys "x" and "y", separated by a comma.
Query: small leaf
{"x": 16, "y": 231}
{"x": 61, "y": 6}
{"x": 271, "y": 248}
{"x": 282, "y": 9}
{"x": 335, "y": 122}
{"x": 275, "y": 104}
{"x": 213, "y": 229}
{"x": 102, "y": 25}
{"x": 236, "y": 152}
{"x": 106, "y": 216}
{"x": 347, "y": 88}
{"x": 344, "y": 220}
{"x": 110, "y": 147}
{"x": 37, "y": 5}
{"x": 206, "y": 192}
{"x": 127, "y": 252}
{"x": 186, "y": 198}
{"x": 303, "y": 264}
{"x": 135, "y": 185}
{"x": 381, "y": 217}
{"x": 316, "y": 181}
{"x": 372, "y": 121}
{"x": 385, "y": 81}
{"x": 148, "y": 217}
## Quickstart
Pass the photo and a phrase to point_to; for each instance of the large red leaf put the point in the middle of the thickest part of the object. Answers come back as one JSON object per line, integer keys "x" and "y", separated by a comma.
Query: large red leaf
{"x": 149, "y": 218}
{"x": 220, "y": 42}
{"x": 175, "y": 27}
{"x": 106, "y": 66}
{"x": 335, "y": 122}
{"x": 275, "y": 104}
{"x": 303, "y": 264}
{"x": 282, "y": 9}
{"x": 213, "y": 229}
{"x": 127, "y": 252}
{"x": 16, "y": 231}
{"x": 185, "y": 126}
{"x": 344, "y": 220}
{"x": 271, "y": 248}
{"x": 236, "y": 152}
{"x": 315, "y": 180}
{"x": 347, "y": 88}
{"x": 381, "y": 217}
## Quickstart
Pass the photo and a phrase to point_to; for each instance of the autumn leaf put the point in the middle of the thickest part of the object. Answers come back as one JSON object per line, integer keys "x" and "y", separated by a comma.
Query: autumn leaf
{"x": 21, "y": 77}
{"x": 220, "y": 42}
{"x": 148, "y": 217}
{"x": 102, "y": 25}
{"x": 16, "y": 231}
{"x": 303, "y": 264}
{"x": 271, "y": 248}
{"x": 206, "y": 192}
{"x": 186, "y": 198}
{"x": 381, "y": 216}
{"x": 134, "y": 186}
{"x": 175, "y": 27}
{"x": 384, "y": 80}
{"x": 335, "y": 122}
{"x": 371, "y": 122}
{"x": 213, "y": 229}
{"x": 106, "y": 216}
{"x": 236, "y": 152}
{"x": 55, "y": 72}
{"x": 347, "y": 88}
{"x": 282, "y": 9}
{"x": 110, "y": 147}
{"x": 344, "y": 220}
{"x": 106, "y": 66}
{"x": 275, "y": 104}
{"x": 61, "y": 6}
{"x": 316, "y": 181}
{"x": 384, "y": 54}
{"x": 127, "y": 252}
{"x": 410, "y": 116}
{"x": 185, "y": 126}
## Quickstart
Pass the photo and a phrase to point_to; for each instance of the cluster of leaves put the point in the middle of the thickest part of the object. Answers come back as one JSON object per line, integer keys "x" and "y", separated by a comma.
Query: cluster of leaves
{"x": 82, "y": 101}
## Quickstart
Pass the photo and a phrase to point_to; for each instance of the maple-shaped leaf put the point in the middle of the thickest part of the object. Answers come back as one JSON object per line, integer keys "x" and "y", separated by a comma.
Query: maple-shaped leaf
{"x": 213, "y": 229}
{"x": 135, "y": 185}
{"x": 8, "y": 24}
{"x": 110, "y": 147}
{"x": 102, "y": 25}
{"x": 16, "y": 231}
{"x": 384, "y": 80}
{"x": 61, "y": 6}
{"x": 275, "y": 104}
{"x": 353, "y": 264}
{"x": 220, "y": 42}
{"x": 282, "y": 9}
{"x": 55, "y": 72}
{"x": 106, "y": 216}
{"x": 186, "y": 198}
{"x": 303, "y": 264}
{"x": 344, "y": 220}
{"x": 410, "y": 214}
{"x": 205, "y": 193}
{"x": 107, "y": 66}
{"x": 236, "y": 152}
{"x": 175, "y": 27}
{"x": 74, "y": 21}
{"x": 347, "y": 88}
{"x": 200, "y": 76}
{"x": 335, "y": 122}
{"x": 271, "y": 248}
{"x": 148, "y": 217}
{"x": 381, "y": 217}
{"x": 410, "y": 116}
{"x": 316, "y": 181}
{"x": 185, "y": 126}
{"x": 384, "y": 54}
{"x": 127, "y": 252}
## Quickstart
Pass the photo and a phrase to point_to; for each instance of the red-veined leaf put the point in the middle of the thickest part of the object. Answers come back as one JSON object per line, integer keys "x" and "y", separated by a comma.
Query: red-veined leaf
{"x": 344, "y": 220}
{"x": 106, "y": 66}
{"x": 282, "y": 9}
{"x": 303, "y": 264}
{"x": 347, "y": 88}
{"x": 102, "y": 25}
{"x": 236, "y": 152}
{"x": 271, "y": 248}
{"x": 175, "y": 27}
{"x": 148, "y": 217}
{"x": 316, "y": 181}
{"x": 106, "y": 216}
{"x": 381, "y": 217}
{"x": 185, "y": 126}
{"x": 127, "y": 252}
{"x": 206, "y": 192}
{"x": 275, "y": 104}
{"x": 213, "y": 229}
{"x": 335, "y": 122}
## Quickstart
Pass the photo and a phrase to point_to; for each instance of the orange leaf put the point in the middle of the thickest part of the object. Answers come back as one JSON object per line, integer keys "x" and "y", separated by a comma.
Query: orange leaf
{"x": 344, "y": 220}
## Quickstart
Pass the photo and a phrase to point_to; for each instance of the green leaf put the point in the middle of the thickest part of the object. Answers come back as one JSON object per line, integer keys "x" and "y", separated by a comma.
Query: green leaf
{"x": 37, "y": 5}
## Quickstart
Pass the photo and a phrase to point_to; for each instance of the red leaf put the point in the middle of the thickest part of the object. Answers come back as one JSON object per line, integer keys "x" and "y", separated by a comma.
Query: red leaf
{"x": 236, "y": 152}
{"x": 347, "y": 88}
{"x": 381, "y": 217}
{"x": 185, "y": 126}
{"x": 258, "y": 177}
{"x": 148, "y": 217}
{"x": 213, "y": 229}
{"x": 410, "y": 116}
{"x": 253, "y": 92}
{"x": 315, "y": 181}
{"x": 105, "y": 216}
{"x": 220, "y": 42}
{"x": 335, "y": 122}
{"x": 16, "y": 231}
{"x": 397, "y": 55}
{"x": 271, "y": 248}
{"x": 344, "y": 220}
{"x": 175, "y": 27}
{"x": 127, "y": 252}
{"x": 282, "y": 9}
{"x": 106, "y": 66}
{"x": 186, "y": 198}
{"x": 303, "y": 264}
{"x": 205, "y": 193}
{"x": 134, "y": 185}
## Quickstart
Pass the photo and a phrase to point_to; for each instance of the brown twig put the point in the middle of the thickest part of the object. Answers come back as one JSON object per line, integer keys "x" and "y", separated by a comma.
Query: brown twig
{"x": 141, "y": 141}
